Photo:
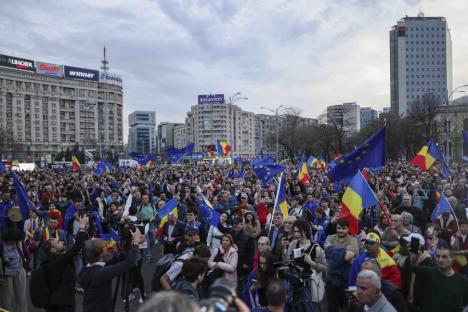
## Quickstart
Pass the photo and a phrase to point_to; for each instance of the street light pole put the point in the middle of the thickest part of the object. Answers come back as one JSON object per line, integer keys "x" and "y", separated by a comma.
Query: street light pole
{"x": 232, "y": 100}
{"x": 447, "y": 154}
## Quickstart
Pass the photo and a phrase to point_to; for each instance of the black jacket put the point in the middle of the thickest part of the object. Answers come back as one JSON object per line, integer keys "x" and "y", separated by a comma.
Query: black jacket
{"x": 61, "y": 274}
{"x": 97, "y": 282}
{"x": 245, "y": 247}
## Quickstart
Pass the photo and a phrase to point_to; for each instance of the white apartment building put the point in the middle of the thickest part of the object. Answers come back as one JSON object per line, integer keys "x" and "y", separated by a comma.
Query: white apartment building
{"x": 46, "y": 108}
{"x": 420, "y": 61}
{"x": 142, "y": 132}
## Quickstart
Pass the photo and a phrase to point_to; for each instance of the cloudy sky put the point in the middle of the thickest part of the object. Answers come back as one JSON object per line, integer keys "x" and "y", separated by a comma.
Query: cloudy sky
{"x": 304, "y": 53}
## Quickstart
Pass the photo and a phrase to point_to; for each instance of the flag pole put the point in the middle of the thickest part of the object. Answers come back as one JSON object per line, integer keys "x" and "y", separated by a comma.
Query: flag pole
{"x": 276, "y": 203}
{"x": 381, "y": 207}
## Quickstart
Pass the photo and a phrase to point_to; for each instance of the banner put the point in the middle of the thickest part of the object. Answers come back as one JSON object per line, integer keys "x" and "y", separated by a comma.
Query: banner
{"x": 17, "y": 63}
{"x": 211, "y": 99}
{"x": 81, "y": 73}
{"x": 49, "y": 69}
{"x": 110, "y": 78}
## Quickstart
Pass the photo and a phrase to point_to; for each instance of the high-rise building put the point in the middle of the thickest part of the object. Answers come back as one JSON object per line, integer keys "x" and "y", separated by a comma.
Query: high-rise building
{"x": 420, "y": 61}
{"x": 166, "y": 135}
{"x": 46, "y": 108}
{"x": 346, "y": 115}
{"x": 367, "y": 115}
{"x": 142, "y": 132}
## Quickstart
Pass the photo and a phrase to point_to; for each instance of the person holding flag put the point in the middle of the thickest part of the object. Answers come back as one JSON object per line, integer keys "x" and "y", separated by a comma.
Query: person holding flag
{"x": 171, "y": 230}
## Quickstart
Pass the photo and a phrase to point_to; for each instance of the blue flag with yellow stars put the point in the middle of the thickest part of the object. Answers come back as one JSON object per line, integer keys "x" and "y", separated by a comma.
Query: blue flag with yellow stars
{"x": 266, "y": 172}
{"x": 370, "y": 154}
{"x": 210, "y": 215}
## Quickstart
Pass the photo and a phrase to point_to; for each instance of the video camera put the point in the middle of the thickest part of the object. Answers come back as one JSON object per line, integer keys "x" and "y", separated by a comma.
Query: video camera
{"x": 125, "y": 227}
{"x": 221, "y": 297}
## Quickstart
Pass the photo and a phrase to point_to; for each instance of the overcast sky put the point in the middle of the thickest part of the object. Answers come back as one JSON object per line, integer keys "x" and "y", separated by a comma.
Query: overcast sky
{"x": 304, "y": 53}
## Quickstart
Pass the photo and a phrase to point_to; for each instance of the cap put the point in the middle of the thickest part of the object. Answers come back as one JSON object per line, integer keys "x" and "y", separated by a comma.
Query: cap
{"x": 373, "y": 237}
{"x": 408, "y": 238}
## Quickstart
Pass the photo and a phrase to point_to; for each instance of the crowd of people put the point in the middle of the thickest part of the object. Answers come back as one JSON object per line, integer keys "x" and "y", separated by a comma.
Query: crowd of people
{"x": 85, "y": 231}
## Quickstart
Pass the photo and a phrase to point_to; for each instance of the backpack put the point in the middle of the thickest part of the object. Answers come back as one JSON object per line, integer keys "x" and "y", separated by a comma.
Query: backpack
{"x": 161, "y": 267}
{"x": 39, "y": 289}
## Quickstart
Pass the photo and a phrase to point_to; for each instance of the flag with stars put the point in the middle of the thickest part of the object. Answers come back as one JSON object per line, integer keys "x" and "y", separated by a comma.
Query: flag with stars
{"x": 266, "y": 172}
{"x": 370, "y": 154}
{"x": 210, "y": 215}
{"x": 442, "y": 206}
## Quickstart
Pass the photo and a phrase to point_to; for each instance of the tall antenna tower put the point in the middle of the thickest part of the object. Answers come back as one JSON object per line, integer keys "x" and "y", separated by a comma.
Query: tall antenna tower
{"x": 105, "y": 63}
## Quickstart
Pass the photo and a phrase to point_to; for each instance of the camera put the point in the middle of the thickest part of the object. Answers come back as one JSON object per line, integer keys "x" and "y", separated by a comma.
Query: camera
{"x": 221, "y": 297}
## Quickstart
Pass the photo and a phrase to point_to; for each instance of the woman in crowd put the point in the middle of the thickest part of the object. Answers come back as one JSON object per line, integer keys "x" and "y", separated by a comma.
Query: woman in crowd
{"x": 216, "y": 233}
{"x": 310, "y": 257}
{"x": 254, "y": 292}
{"x": 251, "y": 224}
{"x": 223, "y": 261}
{"x": 262, "y": 245}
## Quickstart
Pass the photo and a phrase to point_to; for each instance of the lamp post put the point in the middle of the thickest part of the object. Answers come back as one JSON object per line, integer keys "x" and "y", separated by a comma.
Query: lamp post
{"x": 276, "y": 111}
{"x": 233, "y": 99}
{"x": 447, "y": 154}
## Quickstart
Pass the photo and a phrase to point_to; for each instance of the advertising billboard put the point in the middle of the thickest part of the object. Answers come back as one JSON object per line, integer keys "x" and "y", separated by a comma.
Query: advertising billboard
{"x": 81, "y": 73}
{"x": 17, "y": 63}
{"x": 211, "y": 99}
{"x": 110, "y": 78}
{"x": 49, "y": 69}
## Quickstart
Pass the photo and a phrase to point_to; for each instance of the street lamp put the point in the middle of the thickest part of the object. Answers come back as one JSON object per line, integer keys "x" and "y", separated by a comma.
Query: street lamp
{"x": 233, "y": 99}
{"x": 275, "y": 111}
{"x": 446, "y": 120}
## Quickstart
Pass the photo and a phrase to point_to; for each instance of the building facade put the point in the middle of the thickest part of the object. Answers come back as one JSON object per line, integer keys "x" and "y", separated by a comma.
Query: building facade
{"x": 367, "y": 115}
{"x": 166, "y": 136}
{"x": 346, "y": 115}
{"x": 420, "y": 61}
{"x": 46, "y": 108}
{"x": 142, "y": 132}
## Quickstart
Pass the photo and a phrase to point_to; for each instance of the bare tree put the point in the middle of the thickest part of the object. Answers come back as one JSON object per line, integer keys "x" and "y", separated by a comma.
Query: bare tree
{"x": 290, "y": 132}
{"x": 423, "y": 111}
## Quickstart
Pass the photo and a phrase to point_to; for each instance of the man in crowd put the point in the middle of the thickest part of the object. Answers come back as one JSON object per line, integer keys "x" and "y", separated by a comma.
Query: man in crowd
{"x": 174, "y": 233}
{"x": 369, "y": 293}
{"x": 245, "y": 246}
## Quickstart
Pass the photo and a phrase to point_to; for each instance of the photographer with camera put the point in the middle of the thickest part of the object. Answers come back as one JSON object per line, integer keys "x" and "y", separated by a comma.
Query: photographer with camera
{"x": 309, "y": 259}
{"x": 96, "y": 277}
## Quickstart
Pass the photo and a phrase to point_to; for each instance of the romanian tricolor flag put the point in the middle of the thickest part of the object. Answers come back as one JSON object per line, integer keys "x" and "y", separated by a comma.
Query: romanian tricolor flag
{"x": 75, "y": 163}
{"x": 110, "y": 239}
{"x": 388, "y": 268}
{"x": 358, "y": 196}
{"x": 302, "y": 173}
{"x": 281, "y": 204}
{"x": 170, "y": 207}
{"x": 427, "y": 156}
{"x": 223, "y": 148}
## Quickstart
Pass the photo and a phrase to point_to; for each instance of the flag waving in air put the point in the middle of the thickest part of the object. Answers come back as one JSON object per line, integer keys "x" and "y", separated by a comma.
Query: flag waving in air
{"x": 210, "y": 215}
{"x": 75, "y": 163}
{"x": 357, "y": 197}
{"x": 223, "y": 148}
{"x": 302, "y": 174}
{"x": 370, "y": 154}
{"x": 281, "y": 203}
{"x": 427, "y": 156}
{"x": 169, "y": 207}
{"x": 442, "y": 206}
{"x": 22, "y": 198}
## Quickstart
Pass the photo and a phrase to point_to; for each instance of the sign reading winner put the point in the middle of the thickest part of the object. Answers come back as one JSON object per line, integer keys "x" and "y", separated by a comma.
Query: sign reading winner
{"x": 211, "y": 99}
{"x": 81, "y": 73}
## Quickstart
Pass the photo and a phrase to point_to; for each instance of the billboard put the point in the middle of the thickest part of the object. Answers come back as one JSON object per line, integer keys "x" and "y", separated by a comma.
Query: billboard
{"x": 81, "y": 73}
{"x": 110, "y": 78}
{"x": 211, "y": 99}
{"x": 49, "y": 69}
{"x": 17, "y": 63}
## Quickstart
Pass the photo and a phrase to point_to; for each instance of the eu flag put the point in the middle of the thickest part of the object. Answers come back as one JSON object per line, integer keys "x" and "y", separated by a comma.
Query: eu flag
{"x": 210, "y": 215}
{"x": 266, "y": 172}
{"x": 175, "y": 153}
{"x": 370, "y": 154}
{"x": 442, "y": 206}
{"x": 142, "y": 159}
{"x": 22, "y": 198}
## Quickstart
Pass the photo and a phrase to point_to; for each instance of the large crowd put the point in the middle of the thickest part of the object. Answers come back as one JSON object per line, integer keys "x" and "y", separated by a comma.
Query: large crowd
{"x": 87, "y": 234}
